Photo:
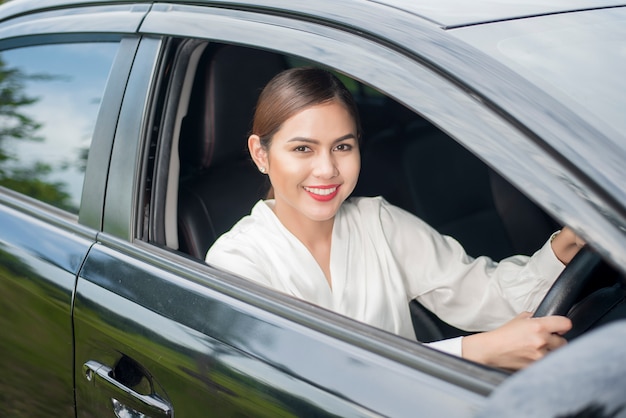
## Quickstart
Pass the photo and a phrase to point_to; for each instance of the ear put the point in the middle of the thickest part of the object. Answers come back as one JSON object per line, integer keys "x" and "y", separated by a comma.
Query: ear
{"x": 257, "y": 152}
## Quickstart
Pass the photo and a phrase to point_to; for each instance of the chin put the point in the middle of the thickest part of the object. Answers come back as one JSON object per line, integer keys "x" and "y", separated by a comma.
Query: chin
{"x": 326, "y": 214}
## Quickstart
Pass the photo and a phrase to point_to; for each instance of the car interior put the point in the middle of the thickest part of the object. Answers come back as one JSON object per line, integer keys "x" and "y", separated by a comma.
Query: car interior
{"x": 213, "y": 183}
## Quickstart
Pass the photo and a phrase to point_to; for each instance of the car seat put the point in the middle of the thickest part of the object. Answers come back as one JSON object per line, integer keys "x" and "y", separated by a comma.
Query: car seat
{"x": 427, "y": 173}
{"x": 219, "y": 183}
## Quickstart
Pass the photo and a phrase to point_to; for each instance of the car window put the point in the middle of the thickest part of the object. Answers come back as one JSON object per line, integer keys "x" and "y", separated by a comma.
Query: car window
{"x": 406, "y": 158}
{"x": 218, "y": 184}
{"x": 218, "y": 179}
{"x": 50, "y": 100}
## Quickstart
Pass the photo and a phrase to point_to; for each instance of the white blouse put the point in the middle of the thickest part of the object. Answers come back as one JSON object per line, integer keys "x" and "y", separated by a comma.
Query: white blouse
{"x": 381, "y": 258}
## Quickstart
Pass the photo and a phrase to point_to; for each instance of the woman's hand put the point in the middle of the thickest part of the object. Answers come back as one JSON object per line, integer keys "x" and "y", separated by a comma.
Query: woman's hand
{"x": 517, "y": 343}
{"x": 566, "y": 245}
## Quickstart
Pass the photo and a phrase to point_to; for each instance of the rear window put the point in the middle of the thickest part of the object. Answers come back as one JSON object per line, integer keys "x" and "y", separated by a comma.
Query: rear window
{"x": 50, "y": 96}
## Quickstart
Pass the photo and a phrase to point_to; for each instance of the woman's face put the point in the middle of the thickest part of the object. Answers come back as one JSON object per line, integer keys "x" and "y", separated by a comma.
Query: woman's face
{"x": 313, "y": 163}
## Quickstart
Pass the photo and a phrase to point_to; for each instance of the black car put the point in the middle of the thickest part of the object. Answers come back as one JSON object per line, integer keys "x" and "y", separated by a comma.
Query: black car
{"x": 123, "y": 127}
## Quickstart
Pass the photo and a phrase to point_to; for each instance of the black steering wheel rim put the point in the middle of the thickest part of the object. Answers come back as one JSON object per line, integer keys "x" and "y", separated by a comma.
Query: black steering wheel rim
{"x": 568, "y": 287}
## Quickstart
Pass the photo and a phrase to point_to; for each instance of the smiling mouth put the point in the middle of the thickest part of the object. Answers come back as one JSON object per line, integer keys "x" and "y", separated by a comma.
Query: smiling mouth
{"x": 322, "y": 194}
{"x": 321, "y": 191}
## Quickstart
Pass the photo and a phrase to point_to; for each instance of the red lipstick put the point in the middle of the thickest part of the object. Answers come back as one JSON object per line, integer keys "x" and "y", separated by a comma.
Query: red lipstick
{"x": 322, "y": 193}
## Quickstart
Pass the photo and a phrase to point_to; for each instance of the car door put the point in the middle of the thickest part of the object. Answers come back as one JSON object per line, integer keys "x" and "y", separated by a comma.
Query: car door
{"x": 53, "y": 88}
{"x": 161, "y": 334}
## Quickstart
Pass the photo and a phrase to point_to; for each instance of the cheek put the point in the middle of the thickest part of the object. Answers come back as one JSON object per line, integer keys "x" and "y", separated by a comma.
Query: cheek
{"x": 353, "y": 167}
{"x": 285, "y": 167}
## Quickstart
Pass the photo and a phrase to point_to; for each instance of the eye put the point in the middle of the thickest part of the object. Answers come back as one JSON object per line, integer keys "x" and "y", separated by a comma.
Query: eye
{"x": 343, "y": 147}
{"x": 301, "y": 148}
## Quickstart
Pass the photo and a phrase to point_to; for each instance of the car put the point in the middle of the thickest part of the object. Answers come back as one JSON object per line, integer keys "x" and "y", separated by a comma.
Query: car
{"x": 122, "y": 158}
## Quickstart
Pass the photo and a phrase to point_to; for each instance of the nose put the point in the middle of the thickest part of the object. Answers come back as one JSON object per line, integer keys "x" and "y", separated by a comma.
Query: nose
{"x": 325, "y": 166}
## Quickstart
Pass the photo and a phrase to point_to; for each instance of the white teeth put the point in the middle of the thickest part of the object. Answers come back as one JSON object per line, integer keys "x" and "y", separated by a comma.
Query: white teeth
{"x": 321, "y": 192}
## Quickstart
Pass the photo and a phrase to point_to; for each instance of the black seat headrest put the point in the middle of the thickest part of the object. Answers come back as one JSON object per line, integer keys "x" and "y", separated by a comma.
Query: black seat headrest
{"x": 228, "y": 83}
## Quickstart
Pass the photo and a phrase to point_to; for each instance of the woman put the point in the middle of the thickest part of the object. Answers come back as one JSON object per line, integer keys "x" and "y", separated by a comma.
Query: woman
{"x": 365, "y": 258}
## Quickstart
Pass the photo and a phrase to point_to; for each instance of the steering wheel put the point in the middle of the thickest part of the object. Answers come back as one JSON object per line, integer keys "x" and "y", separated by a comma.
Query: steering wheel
{"x": 568, "y": 287}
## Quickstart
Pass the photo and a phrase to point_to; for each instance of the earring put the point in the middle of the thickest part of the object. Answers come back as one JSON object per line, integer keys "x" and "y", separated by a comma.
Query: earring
{"x": 262, "y": 170}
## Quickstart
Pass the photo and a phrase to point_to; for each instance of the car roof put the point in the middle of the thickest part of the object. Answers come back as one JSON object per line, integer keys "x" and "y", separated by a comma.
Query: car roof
{"x": 455, "y": 13}
{"x": 445, "y": 13}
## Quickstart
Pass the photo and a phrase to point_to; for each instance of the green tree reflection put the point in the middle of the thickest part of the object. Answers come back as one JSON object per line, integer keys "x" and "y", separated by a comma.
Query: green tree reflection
{"x": 29, "y": 179}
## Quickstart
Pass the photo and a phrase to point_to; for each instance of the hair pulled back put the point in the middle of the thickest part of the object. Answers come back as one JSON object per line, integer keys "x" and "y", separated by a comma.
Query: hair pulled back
{"x": 294, "y": 90}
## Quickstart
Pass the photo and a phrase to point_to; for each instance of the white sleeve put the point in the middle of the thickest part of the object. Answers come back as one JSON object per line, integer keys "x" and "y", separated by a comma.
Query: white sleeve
{"x": 233, "y": 255}
{"x": 451, "y": 346}
{"x": 471, "y": 294}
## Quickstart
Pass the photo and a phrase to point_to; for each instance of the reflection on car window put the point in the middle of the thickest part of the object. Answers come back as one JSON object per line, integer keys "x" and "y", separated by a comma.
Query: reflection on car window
{"x": 49, "y": 101}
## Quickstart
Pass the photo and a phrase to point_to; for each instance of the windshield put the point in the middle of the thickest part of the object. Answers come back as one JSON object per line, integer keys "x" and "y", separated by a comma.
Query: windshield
{"x": 579, "y": 58}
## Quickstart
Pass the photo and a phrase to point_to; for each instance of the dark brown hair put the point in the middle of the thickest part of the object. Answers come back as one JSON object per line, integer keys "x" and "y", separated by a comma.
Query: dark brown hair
{"x": 294, "y": 90}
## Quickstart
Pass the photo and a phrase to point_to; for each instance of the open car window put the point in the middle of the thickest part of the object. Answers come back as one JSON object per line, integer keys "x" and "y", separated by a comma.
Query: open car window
{"x": 426, "y": 172}
{"x": 204, "y": 180}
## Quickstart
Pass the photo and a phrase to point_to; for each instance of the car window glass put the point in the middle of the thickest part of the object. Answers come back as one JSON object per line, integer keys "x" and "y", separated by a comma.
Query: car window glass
{"x": 49, "y": 102}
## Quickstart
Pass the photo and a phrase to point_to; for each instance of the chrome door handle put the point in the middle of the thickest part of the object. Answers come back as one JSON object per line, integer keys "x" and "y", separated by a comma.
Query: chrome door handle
{"x": 125, "y": 400}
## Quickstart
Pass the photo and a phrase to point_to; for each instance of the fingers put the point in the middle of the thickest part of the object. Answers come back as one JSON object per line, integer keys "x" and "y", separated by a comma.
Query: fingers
{"x": 550, "y": 324}
{"x": 555, "y": 324}
{"x": 553, "y": 342}
{"x": 546, "y": 335}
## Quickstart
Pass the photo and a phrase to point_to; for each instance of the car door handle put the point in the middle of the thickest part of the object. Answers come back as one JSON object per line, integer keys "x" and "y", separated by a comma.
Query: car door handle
{"x": 125, "y": 400}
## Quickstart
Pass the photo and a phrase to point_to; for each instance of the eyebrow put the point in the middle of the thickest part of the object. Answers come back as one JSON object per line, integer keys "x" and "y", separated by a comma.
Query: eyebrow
{"x": 315, "y": 141}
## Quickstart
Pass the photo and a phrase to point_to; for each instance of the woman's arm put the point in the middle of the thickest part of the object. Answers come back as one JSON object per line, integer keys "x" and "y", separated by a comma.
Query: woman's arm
{"x": 566, "y": 244}
{"x": 471, "y": 294}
